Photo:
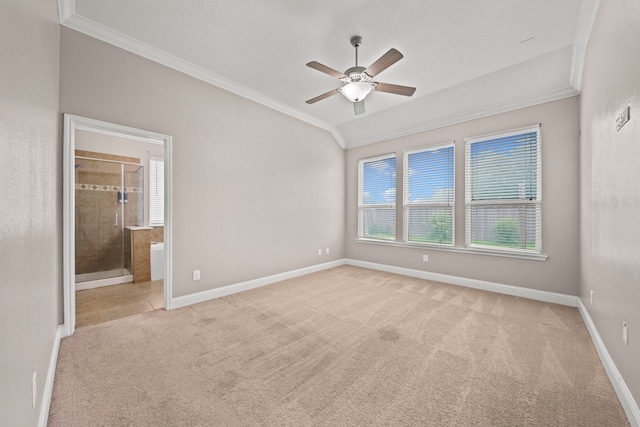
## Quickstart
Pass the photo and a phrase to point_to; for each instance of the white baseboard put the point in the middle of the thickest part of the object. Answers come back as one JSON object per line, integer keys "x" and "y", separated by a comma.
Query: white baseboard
{"x": 552, "y": 297}
{"x": 534, "y": 294}
{"x": 624, "y": 394}
{"x": 51, "y": 373}
{"x": 190, "y": 299}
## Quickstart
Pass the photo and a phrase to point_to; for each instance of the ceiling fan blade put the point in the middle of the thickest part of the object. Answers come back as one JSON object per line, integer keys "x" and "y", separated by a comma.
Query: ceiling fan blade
{"x": 323, "y": 96}
{"x": 327, "y": 70}
{"x": 397, "y": 89}
{"x": 384, "y": 62}
{"x": 358, "y": 107}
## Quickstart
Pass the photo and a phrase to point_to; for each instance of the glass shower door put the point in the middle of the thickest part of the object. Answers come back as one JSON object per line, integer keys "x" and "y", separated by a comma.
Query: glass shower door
{"x": 133, "y": 194}
{"x": 99, "y": 219}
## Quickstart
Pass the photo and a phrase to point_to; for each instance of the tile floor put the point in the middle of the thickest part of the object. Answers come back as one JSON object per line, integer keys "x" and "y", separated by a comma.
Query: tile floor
{"x": 99, "y": 305}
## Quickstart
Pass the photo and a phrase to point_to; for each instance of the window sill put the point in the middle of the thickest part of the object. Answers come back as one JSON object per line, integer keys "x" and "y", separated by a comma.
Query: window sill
{"x": 472, "y": 251}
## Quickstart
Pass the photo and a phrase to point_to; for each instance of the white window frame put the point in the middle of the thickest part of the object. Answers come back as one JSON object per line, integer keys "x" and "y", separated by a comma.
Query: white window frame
{"x": 536, "y": 202}
{"x": 362, "y": 206}
{"x": 156, "y": 200}
{"x": 407, "y": 204}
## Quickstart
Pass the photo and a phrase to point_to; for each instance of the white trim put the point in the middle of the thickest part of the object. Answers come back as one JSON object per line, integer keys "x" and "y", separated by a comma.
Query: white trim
{"x": 69, "y": 19}
{"x": 624, "y": 394}
{"x": 115, "y": 38}
{"x": 168, "y": 223}
{"x": 465, "y": 116}
{"x": 66, "y": 8}
{"x": 68, "y": 227}
{"x": 534, "y": 294}
{"x": 71, "y": 123}
{"x": 468, "y": 251}
{"x": 537, "y": 127}
{"x": 91, "y": 284}
{"x": 469, "y": 203}
{"x": 51, "y": 373}
{"x": 203, "y": 296}
{"x": 586, "y": 20}
{"x": 432, "y": 147}
{"x": 407, "y": 205}
{"x": 361, "y": 204}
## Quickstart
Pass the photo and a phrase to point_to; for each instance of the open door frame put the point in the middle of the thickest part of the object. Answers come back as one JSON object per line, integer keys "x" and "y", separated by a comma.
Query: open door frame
{"x": 71, "y": 124}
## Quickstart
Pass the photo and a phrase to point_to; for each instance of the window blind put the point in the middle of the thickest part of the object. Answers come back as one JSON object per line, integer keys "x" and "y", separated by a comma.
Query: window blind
{"x": 429, "y": 195}
{"x": 503, "y": 193}
{"x": 156, "y": 191}
{"x": 377, "y": 198}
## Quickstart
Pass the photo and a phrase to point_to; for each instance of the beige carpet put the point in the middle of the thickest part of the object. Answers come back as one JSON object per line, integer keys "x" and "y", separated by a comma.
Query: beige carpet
{"x": 342, "y": 347}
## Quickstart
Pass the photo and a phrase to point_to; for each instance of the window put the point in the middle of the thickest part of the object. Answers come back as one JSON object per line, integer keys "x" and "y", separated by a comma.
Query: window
{"x": 156, "y": 191}
{"x": 377, "y": 198}
{"x": 429, "y": 179}
{"x": 503, "y": 191}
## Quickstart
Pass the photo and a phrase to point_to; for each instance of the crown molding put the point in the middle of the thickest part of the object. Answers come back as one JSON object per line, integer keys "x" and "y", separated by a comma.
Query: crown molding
{"x": 69, "y": 19}
{"x": 465, "y": 116}
{"x": 66, "y": 9}
{"x": 78, "y": 23}
{"x": 583, "y": 32}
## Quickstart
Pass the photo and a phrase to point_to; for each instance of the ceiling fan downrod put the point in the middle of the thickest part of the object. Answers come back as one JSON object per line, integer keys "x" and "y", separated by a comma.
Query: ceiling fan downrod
{"x": 356, "y": 41}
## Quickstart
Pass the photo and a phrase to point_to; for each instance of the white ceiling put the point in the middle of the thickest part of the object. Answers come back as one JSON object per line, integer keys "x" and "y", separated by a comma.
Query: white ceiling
{"x": 467, "y": 58}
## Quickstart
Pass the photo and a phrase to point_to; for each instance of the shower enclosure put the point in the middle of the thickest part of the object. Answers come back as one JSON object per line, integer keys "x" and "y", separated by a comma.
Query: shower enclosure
{"x": 108, "y": 198}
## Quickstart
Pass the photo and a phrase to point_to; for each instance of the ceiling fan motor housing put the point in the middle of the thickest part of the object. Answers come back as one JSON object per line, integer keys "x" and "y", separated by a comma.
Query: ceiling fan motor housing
{"x": 356, "y": 74}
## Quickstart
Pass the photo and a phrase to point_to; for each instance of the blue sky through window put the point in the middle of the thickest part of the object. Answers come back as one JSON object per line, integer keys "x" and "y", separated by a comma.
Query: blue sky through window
{"x": 431, "y": 176}
{"x": 379, "y": 181}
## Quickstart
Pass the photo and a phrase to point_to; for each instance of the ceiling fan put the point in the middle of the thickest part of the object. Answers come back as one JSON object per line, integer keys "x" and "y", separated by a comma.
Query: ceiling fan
{"x": 358, "y": 81}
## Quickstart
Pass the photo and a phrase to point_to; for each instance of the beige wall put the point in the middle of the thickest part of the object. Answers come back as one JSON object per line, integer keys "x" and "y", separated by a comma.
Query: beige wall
{"x": 30, "y": 206}
{"x": 560, "y": 201}
{"x": 255, "y": 192}
{"x": 610, "y": 194}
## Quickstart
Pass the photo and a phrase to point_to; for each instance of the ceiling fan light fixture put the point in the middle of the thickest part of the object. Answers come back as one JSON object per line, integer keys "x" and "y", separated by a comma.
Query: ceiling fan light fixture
{"x": 356, "y": 91}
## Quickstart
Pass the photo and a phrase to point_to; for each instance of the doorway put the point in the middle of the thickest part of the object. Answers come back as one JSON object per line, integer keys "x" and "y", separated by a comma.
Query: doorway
{"x": 104, "y": 208}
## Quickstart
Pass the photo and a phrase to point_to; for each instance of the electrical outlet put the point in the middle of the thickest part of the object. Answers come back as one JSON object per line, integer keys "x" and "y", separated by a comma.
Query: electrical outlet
{"x": 327, "y": 251}
{"x": 425, "y": 258}
{"x": 319, "y": 251}
{"x": 623, "y": 118}
{"x": 592, "y": 296}
{"x": 625, "y": 333}
{"x": 34, "y": 390}
{"x": 196, "y": 275}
